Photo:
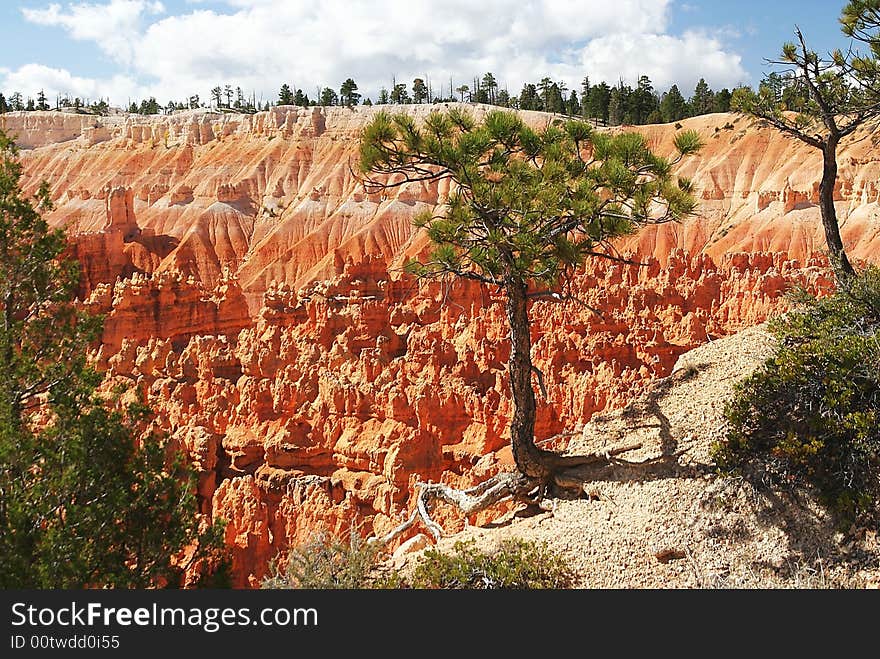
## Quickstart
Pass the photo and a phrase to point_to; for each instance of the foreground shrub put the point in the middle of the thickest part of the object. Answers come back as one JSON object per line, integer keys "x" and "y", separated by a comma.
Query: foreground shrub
{"x": 811, "y": 415}
{"x": 516, "y": 564}
{"x": 326, "y": 562}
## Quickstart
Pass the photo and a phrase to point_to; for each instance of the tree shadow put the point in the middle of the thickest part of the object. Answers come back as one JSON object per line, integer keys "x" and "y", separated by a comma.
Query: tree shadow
{"x": 815, "y": 541}
{"x": 647, "y": 413}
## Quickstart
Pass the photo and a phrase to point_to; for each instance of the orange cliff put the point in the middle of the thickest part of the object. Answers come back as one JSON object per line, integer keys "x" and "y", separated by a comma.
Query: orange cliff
{"x": 252, "y": 292}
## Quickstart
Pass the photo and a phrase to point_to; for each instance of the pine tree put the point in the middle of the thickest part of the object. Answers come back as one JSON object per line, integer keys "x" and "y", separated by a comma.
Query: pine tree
{"x": 544, "y": 88}
{"x": 702, "y": 100}
{"x": 526, "y": 208}
{"x": 585, "y": 95}
{"x": 149, "y": 106}
{"x": 88, "y": 497}
{"x": 795, "y": 96}
{"x": 618, "y": 105}
{"x": 490, "y": 85}
{"x": 775, "y": 84}
{"x": 528, "y": 98}
{"x": 598, "y": 107}
{"x": 573, "y": 108}
{"x": 41, "y": 101}
{"x": 399, "y": 95}
{"x": 555, "y": 101}
{"x": 642, "y": 101}
{"x": 420, "y": 91}
{"x": 328, "y": 97}
{"x": 673, "y": 107}
{"x": 285, "y": 97}
{"x": 841, "y": 95}
{"x": 348, "y": 93}
{"x": 721, "y": 103}
{"x": 478, "y": 92}
{"x": 103, "y": 108}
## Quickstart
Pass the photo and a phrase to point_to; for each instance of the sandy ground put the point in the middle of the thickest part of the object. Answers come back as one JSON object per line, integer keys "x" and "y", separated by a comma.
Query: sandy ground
{"x": 672, "y": 523}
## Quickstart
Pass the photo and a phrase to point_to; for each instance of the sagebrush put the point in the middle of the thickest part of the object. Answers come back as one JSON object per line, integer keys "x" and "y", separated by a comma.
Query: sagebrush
{"x": 327, "y": 562}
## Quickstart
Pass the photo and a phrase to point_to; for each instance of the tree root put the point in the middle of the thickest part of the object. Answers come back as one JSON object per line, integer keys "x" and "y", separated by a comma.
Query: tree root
{"x": 470, "y": 501}
{"x": 499, "y": 488}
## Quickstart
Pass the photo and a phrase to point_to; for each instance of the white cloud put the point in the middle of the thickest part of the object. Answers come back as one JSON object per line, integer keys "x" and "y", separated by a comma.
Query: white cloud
{"x": 114, "y": 26}
{"x": 259, "y": 44}
{"x": 665, "y": 59}
{"x": 31, "y": 78}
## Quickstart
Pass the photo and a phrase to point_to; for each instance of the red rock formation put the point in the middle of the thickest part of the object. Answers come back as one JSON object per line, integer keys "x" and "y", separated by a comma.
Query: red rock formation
{"x": 366, "y": 381}
{"x": 166, "y": 306}
{"x": 272, "y": 197}
{"x": 252, "y": 293}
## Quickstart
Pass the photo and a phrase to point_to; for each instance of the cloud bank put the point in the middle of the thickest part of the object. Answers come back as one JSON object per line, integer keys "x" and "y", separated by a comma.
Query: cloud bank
{"x": 260, "y": 44}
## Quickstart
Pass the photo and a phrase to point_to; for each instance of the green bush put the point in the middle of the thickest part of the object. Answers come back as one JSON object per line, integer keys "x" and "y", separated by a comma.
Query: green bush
{"x": 516, "y": 564}
{"x": 811, "y": 415}
{"x": 89, "y": 497}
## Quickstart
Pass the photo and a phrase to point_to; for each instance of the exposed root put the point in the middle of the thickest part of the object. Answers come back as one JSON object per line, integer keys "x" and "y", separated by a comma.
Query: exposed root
{"x": 498, "y": 488}
{"x": 470, "y": 501}
{"x": 605, "y": 457}
{"x": 572, "y": 478}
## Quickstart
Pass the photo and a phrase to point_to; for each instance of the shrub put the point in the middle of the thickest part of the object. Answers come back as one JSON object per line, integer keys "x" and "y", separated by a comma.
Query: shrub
{"x": 89, "y": 496}
{"x": 516, "y": 564}
{"x": 811, "y": 415}
{"x": 326, "y": 562}
{"x": 329, "y": 563}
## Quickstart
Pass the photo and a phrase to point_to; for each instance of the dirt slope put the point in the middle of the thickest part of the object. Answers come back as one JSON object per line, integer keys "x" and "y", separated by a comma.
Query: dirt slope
{"x": 673, "y": 523}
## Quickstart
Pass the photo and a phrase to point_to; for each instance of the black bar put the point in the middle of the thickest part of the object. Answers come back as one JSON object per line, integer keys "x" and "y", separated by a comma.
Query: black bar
{"x": 406, "y": 622}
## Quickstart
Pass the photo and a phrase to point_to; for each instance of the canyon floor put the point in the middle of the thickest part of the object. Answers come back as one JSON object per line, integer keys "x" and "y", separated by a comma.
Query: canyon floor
{"x": 673, "y": 522}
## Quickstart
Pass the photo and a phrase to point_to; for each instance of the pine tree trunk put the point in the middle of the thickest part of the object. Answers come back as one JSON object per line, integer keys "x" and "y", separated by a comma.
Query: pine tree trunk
{"x": 528, "y": 457}
{"x": 826, "y": 207}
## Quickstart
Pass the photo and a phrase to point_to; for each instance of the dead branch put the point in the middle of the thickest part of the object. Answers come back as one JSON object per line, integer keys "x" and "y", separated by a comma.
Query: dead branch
{"x": 491, "y": 491}
{"x": 541, "y": 386}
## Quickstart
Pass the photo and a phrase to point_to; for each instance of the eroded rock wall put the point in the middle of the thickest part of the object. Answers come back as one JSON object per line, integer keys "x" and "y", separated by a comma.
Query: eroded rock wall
{"x": 329, "y": 405}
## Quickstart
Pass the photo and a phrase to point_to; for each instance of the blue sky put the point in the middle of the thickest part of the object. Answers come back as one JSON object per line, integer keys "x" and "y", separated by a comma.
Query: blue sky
{"x": 130, "y": 49}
